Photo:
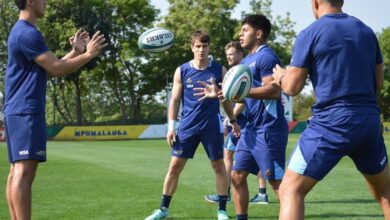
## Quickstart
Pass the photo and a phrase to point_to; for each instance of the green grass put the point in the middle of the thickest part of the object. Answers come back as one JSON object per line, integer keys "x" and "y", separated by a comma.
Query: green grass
{"x": 123, "y": 180}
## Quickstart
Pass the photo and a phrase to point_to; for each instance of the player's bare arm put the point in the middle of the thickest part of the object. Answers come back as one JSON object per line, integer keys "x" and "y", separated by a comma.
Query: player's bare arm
{"x": 174, "y": 106}
{"x": 78, "y": 42}
{"x": 379, "y": 77}
{"x": 59, "y": 67}
{"x": 266, "y": 91}
{"x": 291, "y": 80}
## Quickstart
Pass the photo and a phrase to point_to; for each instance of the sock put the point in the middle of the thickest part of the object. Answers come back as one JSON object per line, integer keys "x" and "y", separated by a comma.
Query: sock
{"x": 241, "y": 217}
{"x": 262, "y": 190}
{"x": 222, "y": 202}
{"x": 165, "y": 202}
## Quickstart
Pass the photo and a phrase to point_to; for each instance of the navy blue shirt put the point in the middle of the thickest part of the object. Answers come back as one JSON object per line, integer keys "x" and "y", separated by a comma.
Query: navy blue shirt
{"x": 25, "y": 80}
{"x": 263, "y": 115}
{"x": 199, "y": 116}
{"x": 341, "y": 54}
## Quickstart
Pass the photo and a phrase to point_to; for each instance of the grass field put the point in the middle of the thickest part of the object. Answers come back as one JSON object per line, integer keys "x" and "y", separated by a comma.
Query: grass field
{"x": 123, "y": 180}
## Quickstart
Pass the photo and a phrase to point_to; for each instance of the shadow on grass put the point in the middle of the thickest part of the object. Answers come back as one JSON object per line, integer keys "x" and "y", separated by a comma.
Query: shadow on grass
{"x": 347, "y": 201}
{"x": 342, "y": 216}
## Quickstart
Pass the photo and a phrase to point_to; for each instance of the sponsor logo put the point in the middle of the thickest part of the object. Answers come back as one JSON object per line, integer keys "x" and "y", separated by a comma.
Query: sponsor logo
{"x": 252, "y": 64}
{"x": 23, "y": 152}
{"x": 87, "y": 133}
{"x": 268, "y": 172}
{"x": 160, "y": 37}
{"x": 178, "y": 152}
{"x": 41, "y": 153}
{"x": 189, "y": 83}
{"x": 383, "y": 161}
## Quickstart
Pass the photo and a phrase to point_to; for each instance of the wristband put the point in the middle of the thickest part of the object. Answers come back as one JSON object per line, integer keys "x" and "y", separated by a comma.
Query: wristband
{"x": 172, "y": 125}
{"x": 232, "y": 121}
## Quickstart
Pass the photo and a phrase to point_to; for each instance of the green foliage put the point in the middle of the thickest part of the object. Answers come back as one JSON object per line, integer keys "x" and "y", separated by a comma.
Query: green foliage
{"x": 384, "y": 100}
{"x": 302, "y": 106}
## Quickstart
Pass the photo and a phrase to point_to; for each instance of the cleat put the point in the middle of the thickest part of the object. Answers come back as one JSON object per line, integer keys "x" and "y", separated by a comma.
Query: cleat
{"x": 259, "y": 199}
{"x": 222, "y": 215}
{"x": 157, "y": 214}
{"x": 212, "y": 198}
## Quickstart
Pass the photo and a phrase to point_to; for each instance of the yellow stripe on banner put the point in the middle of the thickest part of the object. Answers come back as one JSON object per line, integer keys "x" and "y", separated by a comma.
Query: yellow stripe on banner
{"x": 100, "y": 132}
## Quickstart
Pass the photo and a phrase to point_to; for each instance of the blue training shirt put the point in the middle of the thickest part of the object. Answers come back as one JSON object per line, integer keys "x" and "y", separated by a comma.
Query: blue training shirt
{"x": 263, "y": 115}
{"x": 341, "y": 54}
{"x": 25, "y": 80}
{"x": 199, "y": 116}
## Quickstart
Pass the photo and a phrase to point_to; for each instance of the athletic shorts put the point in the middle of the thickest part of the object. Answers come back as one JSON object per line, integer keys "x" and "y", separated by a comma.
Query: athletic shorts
{"x": 26, "y": 137}
{"x": 186, "y": 144}
{"x": 231, "y": 142}
{"x": 326, "y": 141}
{"x": 264, "y": 151}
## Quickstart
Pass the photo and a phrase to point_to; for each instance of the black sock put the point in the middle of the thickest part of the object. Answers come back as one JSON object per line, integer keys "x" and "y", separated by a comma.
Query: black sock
{"x": 242, "y": 217}
{"x": 165, "y": 202}
{"x": 222, "y": 202}
{"x": 263, "y": 190}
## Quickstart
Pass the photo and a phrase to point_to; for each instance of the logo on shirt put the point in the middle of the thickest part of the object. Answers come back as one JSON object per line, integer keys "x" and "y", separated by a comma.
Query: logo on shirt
{"x": 253, "y": 64}
{"x": 268, "y": 172}
{"x": 383, "y": 161}
{"x": 23, "y": 152}
{"x": 189, "y": 83}
{"x": 41, "y": 153}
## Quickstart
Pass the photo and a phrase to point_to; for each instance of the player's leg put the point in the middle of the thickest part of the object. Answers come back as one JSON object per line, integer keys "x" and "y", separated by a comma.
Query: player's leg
{"x": 8, "y": 193}
{"x": 213, "y": 145}
{"x": 21, "y": 185}
{"x": 228, "y": 160}
{"x": 292, "y": 192}
{"x": 261, "y": 197}
{"x": 183, "y": 148}
{"x": 379, "y": 186}
{"x": 240, "y": 191}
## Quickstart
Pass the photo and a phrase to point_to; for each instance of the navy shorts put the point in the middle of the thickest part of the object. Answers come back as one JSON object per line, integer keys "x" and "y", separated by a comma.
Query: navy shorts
{"x": 264, "y": 151}
{"x": 326, "y": 141}
{"x": 186, "y": 144}
{"x": 26, "y": 137}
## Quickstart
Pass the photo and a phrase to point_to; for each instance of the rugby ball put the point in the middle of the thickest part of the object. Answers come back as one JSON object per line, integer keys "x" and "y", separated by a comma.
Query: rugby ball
{"x": 237, "y": 83}
{"x": 155, "y": 40}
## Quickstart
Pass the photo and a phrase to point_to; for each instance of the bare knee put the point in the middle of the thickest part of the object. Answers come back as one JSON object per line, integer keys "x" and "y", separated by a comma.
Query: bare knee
{"x": 218, "y": 166}
{"x": 238, "y": 178}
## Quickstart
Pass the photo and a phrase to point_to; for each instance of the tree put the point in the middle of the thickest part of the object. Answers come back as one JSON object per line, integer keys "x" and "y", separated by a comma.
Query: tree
{"x": 384, "y": 100}
{"x": 8, "y": 16}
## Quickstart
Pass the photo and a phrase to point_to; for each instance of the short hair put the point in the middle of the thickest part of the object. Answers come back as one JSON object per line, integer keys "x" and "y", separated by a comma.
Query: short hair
{"x": 21, "y": 4}
{"x": 259, "y": 22}
{"x": 200, "y": 36}
{"x": 335, "y": 3}
{"x": 236, "y": 45}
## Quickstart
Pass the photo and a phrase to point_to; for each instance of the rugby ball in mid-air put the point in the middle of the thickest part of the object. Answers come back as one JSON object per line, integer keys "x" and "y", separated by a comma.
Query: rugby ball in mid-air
{"x": 155, "y": 40}
{"x": 237, "y": 83}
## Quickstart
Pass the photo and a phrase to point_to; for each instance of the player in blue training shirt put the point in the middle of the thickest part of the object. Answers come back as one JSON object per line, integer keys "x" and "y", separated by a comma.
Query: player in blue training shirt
{"x": 234, "y": 55}
{"x": 262, "y": 146}
{"x": 29, "y": 64}
{"x": 343, "y": 59}
{"x": 200, "y": 123}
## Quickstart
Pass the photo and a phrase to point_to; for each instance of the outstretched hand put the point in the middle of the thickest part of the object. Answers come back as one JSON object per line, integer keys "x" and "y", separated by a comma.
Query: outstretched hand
{"x": 96, "y": 44}
{"x": 79, "y": 41}
{"x": 208, "y": 90}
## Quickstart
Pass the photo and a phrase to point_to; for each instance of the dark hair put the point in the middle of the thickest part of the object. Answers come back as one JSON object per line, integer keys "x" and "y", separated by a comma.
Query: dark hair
{"x": 21, "y": 4}
{"x": 201, "y": 36}
{"x": 259, "y": 22}
{"x": 335, "y": 3}
{"x": 236, "y": 45}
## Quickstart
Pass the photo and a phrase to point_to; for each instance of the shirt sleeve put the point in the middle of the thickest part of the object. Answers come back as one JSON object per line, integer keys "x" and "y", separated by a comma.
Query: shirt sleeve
{"x": 266, "y": 64}
{"x": 301, "y": 51}
{"x": 32, "y": 44}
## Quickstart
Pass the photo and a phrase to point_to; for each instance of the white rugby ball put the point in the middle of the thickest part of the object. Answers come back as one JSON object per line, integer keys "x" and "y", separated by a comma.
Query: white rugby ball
{"x": 237, "y": 83}
{"x": 156, "y": 40}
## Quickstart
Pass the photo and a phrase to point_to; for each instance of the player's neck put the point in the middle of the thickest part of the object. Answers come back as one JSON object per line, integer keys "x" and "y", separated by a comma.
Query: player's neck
{"x": 28, "y": 16}
{"x": 256, "y": 47}
{"x": 328, "y": 10}
{"x": 200, "y": 64}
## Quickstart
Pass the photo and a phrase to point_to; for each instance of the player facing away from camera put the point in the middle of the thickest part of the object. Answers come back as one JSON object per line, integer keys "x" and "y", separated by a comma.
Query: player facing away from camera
{"x": 200, "y": 123}
{"x": 341, "y": 55}
{"x": 29, "y": 64}
{"x": 262, "y": 146}
{"x": 234, "y": 54}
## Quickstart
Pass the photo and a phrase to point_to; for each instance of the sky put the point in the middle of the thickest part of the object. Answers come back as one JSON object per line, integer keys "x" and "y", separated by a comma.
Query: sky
{"x": 374, "y": 13}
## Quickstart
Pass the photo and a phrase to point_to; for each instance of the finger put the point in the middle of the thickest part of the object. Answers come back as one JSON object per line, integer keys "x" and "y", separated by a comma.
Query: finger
{"x": 199, "y": 94}
{"x": 95, "y": 35}
{"x": 200, "y": 99}
{"x": 198, "y": 89}
{"x": 77, "y": 35}
{"x": 71, "y": 40}
{"x": 174, "y": 138}
{"x": 212, "y": 80}
{"x": 203, "y": 83}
